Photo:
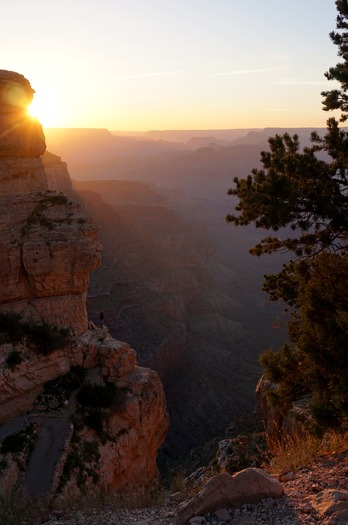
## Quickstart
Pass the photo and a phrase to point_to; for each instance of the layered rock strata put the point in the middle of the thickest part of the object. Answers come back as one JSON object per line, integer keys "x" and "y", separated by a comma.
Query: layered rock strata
{"x": 135, "y": 430}
{"x": 48, "y": 248}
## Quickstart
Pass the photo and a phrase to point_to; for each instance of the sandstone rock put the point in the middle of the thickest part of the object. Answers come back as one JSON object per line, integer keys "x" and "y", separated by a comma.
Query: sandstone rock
{"x": 116, "y": 358}
{"x": 138, "y": 427}
{"x": 337, "y": 518}
{"x": 48, "y": 247}
{"x": 278, "y": 424}
{"x": 25, "y": 381}
{"x": 21, "y": 175}
{"x": 331, "y": 502}
{"x": 58, "y": 178}
{"x": 21, "y": 136}
{"x": 271, "y": 416}
{"x": 248, "y": 486}
{"x": 47, "y": 251}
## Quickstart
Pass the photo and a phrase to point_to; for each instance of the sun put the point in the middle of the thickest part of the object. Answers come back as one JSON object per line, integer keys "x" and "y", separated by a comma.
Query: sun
{"x": 44, "y": 109}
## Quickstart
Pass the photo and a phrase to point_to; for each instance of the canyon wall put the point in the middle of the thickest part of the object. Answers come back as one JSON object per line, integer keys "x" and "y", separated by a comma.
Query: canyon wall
{"x": 49, "y": 246}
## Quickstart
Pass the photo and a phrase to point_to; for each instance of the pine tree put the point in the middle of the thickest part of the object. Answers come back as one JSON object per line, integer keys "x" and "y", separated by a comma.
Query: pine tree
{"x": 338, "y": 98}
{"x": 297, "y": 191}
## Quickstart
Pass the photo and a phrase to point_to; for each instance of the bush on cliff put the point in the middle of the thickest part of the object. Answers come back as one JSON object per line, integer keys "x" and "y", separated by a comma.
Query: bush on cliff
{"x": 306, "y": 199}
{"x": 43, "y": 336}
{"x": 97, "y": 395}
{"x": 14, "y": 359}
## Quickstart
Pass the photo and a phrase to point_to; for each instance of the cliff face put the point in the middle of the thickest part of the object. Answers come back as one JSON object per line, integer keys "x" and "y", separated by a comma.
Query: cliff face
{"x": 20, "y": 135}
{"x": 48, "y": 248}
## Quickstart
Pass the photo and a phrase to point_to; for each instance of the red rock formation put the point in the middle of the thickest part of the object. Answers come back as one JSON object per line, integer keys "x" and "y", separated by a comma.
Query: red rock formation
{"x": 48, "y": 248}
{"x": 48, "y": 245}
{"x": 21, "y": 136}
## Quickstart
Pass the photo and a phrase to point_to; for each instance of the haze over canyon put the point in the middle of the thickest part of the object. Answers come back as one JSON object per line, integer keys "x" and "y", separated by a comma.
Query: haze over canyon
{"x": 176, "y": 282}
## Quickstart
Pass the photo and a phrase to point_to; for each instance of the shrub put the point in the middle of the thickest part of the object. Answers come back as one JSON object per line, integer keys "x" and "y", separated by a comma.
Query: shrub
{"x": 90, "y": 452}
{"x": 48, "y": 338}
{"x": 14, "y": 359}
{"x": 13, "y": 507}
{"x": 97, "y": 395}
{"x": 11, "y": 330}
{"x": 301, "y": 450}
{"x": 20, "y": 441}
{"x": 82, "y": 461}
{"x": 44, "y": 336}
{"x": 58, "y": 199}
{"x": 69, "y": 382}
{"x": 94, "y": 419}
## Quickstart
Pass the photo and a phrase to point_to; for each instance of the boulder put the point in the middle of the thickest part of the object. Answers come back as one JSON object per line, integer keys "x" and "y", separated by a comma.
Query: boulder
{"x": 247, "y": 486}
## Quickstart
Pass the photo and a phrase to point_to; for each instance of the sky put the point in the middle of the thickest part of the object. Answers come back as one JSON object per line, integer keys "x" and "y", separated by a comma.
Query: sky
{"x": 172, "y": 64}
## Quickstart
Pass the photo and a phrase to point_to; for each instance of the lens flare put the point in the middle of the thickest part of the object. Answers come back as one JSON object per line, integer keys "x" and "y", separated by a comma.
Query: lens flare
{"x": 43, "y": 109}
{"x": 15, "y": 95}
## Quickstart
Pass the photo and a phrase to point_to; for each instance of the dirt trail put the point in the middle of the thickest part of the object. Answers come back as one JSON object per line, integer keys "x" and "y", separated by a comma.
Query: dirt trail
{"x": 45, "y": 456}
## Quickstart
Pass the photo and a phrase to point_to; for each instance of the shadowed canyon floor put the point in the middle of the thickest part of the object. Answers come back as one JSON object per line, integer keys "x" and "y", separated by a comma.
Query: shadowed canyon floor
{"x": 164, "y": 288}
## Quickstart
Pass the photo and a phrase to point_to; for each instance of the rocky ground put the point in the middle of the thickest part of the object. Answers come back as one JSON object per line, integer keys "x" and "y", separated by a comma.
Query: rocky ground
{"x": 312, "y": 496}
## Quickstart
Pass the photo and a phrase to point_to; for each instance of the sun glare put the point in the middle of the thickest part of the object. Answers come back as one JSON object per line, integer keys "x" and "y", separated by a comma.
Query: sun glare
{"x": 44, "y": 110}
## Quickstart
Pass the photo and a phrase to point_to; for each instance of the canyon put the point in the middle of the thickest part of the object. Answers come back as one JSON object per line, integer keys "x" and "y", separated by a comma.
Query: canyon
{"x": 176, "y": 281}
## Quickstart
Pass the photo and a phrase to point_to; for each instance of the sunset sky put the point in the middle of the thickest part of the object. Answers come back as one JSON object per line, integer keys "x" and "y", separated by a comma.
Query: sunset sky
{"x": 172, "y": 64}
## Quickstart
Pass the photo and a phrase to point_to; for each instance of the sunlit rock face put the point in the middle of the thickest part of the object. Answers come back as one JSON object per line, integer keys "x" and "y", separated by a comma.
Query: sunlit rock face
{"x": 48, "y": 245}
{"x": 21, "y": 136}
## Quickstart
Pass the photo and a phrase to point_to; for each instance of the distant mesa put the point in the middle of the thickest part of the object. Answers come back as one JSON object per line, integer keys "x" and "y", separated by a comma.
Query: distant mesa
{"x": 20, "y": 135}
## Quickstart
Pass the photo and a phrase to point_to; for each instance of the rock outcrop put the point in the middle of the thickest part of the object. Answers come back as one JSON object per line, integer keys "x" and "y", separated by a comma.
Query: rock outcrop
{"x": 21, "y": 136}
{"x": 58, "y": 178}
{"x": 248, "y": 486}
{"x": 280, "y": 422}
{"x": 48, "y": 248}
{"x": 48, "y": 245}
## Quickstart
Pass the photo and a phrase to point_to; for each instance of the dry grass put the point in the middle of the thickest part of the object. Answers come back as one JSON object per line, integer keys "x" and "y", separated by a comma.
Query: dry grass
{"x": 298, "y": 451}
{"x": 16, "y": 509}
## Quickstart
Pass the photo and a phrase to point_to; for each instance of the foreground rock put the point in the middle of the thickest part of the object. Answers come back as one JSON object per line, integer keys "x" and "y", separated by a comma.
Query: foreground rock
{"x": 248, "y": 486}
{"x": 297, "y": 506}
{"x": 331, "y": 505}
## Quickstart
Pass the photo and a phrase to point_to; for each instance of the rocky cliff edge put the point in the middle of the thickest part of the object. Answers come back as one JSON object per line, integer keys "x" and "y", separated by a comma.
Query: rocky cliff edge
{"x": 48, "y": 247}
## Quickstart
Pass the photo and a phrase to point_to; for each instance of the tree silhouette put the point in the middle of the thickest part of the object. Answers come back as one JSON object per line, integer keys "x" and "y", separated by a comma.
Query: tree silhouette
{"x": 303, "y": 197}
